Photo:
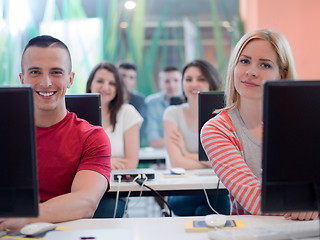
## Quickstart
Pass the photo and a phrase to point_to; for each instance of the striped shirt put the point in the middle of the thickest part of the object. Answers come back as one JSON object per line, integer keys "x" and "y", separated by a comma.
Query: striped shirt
{"x": 224, "y": 150}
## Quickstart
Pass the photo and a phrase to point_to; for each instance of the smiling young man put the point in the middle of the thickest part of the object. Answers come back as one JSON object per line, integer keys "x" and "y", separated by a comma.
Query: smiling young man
{"x": 73, "y": 156}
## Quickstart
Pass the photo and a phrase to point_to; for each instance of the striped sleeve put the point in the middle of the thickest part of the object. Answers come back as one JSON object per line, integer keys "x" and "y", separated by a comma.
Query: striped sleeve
{"x": 223, "y": 148}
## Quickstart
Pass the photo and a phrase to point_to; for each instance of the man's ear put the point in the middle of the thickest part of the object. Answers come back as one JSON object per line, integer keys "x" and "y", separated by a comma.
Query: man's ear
{"x": 71, "y": 77}
{"x": 21, "y": 78}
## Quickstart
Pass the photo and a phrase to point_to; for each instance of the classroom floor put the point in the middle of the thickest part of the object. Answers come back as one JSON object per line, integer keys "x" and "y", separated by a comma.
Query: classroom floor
{"x": 143, "y": 207}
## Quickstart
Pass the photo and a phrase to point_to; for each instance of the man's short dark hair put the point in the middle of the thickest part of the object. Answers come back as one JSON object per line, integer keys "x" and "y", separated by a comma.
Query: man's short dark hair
{"x": 171, "y": 69}
{"x": 127, "y": 65}
{"x": 45, "y": 41}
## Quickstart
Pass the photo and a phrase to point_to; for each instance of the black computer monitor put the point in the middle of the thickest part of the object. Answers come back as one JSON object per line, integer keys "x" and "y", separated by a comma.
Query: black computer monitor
{"x": 291, "y": 142}
{"x": 176, "y": 100}
{"x": 18, "y": 170}
{"x": 208, "y": 103}
{"x": 87, "y": 106}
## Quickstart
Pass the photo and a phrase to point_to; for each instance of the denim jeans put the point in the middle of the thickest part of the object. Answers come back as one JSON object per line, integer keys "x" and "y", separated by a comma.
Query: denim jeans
{"x": 106, "y": 208}
{"x": 197, "y": 205}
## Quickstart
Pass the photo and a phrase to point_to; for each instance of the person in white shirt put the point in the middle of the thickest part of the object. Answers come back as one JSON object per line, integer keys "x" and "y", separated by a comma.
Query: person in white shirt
{"x": 120, "y": 120}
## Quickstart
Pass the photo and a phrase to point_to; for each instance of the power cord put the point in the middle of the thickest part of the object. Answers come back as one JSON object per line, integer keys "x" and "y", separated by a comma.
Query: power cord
{"x": 142, "y": 181}
{"x": 207, "y": 198}
{"x": 117, "y": 196}
{"x": 216, "y": 198}
{"x": 128, "y": 196}
{"x": 140, "y": 195}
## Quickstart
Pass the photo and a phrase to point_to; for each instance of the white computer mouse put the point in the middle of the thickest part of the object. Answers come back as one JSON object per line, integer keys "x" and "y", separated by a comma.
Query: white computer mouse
{"x": 178, "y": 171}
{"x": 215, "y": 220}
{"x": 33, "y": 229}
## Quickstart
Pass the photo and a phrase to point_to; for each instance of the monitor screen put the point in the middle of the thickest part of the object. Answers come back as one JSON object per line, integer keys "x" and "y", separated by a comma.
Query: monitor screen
{"x": 208, "y": 103}
{"x": 87, "y": 106}
{"x": 18, "y": 171}
{"x": 291, "y": 139}
{"x": 176, "y": 100}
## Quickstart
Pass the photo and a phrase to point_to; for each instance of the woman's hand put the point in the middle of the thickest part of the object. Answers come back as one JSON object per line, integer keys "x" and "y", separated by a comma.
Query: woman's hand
{"x": 303, "y": 216}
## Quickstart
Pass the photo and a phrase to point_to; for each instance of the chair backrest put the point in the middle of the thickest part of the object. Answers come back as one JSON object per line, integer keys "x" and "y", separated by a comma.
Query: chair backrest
{"x": 176, "y": 100}
{"x": 208, "y": 103}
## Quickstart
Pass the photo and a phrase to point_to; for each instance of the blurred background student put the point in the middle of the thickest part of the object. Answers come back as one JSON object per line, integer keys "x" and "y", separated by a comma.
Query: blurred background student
{"x": 128, "y": 73}
{"x": 120, "y": 120}
{"x": 170, "y": 85}
{"x": 181, "y": 137}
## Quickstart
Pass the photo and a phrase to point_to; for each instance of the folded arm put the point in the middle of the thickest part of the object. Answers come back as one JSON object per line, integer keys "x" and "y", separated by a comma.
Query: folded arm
{"x": 177, "y": 150}
{"x": 87, "y": 189}
{"x": 131, "y": 150}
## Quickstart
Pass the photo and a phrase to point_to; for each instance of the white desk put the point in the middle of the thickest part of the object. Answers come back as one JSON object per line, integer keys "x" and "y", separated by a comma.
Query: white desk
{"x": 164, "y": 228}
{"x": 152, "y": 157}
{"x": 191, "y": 183}
{"x": 152, "y": 153}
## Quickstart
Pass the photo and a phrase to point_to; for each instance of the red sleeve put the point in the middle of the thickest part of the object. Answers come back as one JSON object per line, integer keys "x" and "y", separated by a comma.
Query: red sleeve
{"x": 96, "y": 154}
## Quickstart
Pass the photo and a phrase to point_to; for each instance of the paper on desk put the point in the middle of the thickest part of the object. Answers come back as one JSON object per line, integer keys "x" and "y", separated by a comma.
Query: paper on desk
{"x": 171, "y": 175}
{"x": 201, "y": 226}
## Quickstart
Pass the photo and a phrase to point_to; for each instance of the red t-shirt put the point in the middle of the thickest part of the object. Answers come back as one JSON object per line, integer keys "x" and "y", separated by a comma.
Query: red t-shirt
{"x": 66, "y": 148}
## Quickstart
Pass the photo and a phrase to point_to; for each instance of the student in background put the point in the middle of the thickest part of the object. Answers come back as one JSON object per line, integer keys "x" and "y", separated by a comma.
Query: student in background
{"x": 128, "y": 73}
{"x": 232, "y": 139}
{"x": 120, "y": 120}
{"x": 181, "y": 137}
{"x": 170, "y": 85}
{"x": 73, "y": 156}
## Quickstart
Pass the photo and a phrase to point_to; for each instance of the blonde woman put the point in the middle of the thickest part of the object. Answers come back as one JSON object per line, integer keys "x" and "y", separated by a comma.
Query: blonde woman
{"x": 232, "y": 140}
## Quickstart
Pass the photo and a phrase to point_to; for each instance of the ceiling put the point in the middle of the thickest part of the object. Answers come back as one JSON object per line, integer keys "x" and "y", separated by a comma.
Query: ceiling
{"x": 154, "y": 8}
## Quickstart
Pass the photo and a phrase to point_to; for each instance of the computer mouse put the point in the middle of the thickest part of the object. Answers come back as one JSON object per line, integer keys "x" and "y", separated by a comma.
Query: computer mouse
{"x": 178, "y": 171}
{"x": 33, "y": 229}
{"x": 215, "y": 220}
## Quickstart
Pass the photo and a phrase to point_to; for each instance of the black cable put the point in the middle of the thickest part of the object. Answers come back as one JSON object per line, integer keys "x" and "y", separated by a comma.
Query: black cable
{"x": 141, "y": 183}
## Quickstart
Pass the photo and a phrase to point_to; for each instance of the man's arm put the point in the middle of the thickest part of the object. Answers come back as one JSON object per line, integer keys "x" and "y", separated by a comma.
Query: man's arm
{"x": 87, "y": 189}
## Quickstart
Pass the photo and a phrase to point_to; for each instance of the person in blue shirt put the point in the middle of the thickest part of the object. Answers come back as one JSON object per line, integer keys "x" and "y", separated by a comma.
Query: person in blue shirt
{"x": 170, "y": 85}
